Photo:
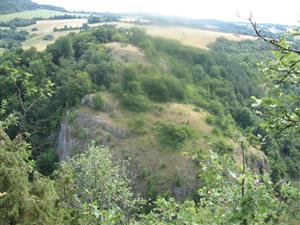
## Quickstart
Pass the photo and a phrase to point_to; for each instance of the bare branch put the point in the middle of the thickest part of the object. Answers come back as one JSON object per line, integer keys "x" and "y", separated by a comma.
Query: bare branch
{"x": 272, "y": 41}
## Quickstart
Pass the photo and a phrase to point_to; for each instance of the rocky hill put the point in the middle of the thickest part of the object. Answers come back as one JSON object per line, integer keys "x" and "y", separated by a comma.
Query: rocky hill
{"x": 160, "y": 158}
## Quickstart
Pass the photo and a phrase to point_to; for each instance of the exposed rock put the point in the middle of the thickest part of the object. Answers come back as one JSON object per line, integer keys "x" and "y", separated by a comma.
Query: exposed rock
{"x": 88, "y": 100}
{"x": 179, "y": 192}
{"x": 95, "y": 123}
{"x": 67, "y": 143}
{"x": 256, "y": 160}
{"x": 75, "y": 136}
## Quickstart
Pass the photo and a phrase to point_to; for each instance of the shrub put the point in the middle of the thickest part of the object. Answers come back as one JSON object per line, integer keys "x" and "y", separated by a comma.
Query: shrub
{"x": 48, "y": 37}
{"x": 222, "y": 148}
{"x": 243, "y": 117}
{"x": 174, "y": 135}
{"x": 215, "y": 108}
{"x": 71, "y": 117}
{"x": 135, "y": 103}
{"x": 95, "y": 178}
{"x": 98, "y": 102}
{"x": 119, "y": 37}
{"x": 163, "y": 89}
{"x": 175, "y": 90}
{"x": 152, "y": 191}
{"x": 210, "y": 119}
{"x": 156, "y": 90}
{"x": 137, "y": 126}
{"x": 47, "y": 162}
{"x": 178, "y": 179}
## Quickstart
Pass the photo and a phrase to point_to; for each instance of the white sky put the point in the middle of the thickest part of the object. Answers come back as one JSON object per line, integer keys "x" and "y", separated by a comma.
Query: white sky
{"x": 274, "y": 11}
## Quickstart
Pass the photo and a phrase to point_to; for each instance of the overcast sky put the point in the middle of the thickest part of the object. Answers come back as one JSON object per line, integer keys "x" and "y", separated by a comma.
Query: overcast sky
{"x": 274, "y": 11}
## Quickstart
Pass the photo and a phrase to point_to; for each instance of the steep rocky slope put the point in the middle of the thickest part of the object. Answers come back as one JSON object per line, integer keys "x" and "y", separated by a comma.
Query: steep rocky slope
{"x": 154, "y": 165}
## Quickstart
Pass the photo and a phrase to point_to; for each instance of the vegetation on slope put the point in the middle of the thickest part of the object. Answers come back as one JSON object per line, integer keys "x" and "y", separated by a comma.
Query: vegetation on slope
{"x": 39, "y": 87}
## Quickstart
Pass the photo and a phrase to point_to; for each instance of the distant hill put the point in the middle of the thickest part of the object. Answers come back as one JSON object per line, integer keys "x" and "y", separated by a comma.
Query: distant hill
{"x": 11, "y": 6}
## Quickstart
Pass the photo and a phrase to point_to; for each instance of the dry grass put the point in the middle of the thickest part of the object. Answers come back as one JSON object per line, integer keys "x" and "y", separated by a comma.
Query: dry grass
{"x": 185, "y": 114}
{"x": 124, "y": 47}
{"x": 148, "y": 156}
{"x": 126, "y": 53}
{"x": 37, "y": 41}
{"x": 198, "y": 38}
{"x": 147, "y": 153}
{"x": 192, "y": 37}
{"x": 46, "y": 27}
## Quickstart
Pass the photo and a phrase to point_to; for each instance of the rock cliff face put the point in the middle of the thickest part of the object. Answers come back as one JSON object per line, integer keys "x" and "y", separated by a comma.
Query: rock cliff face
{"x": 66, "y": 142}
{"x": 75, "y": 136}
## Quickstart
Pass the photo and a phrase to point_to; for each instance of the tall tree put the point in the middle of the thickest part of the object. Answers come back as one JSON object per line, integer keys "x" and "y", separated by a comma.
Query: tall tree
{"x": 26, "y": 197}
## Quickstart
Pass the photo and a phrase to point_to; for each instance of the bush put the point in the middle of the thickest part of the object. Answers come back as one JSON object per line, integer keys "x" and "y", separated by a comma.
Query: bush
{"x": 135, "y": 103}
{"x": 47, "y": 162}
{"x": 174, "y": 135}
{"x": 175, "y": 90}
{"x": 95, "y": 178}
{"x": 210, "y": 119}
{"x": 156, "y": 90}
{"x": 98, "y": 102}
{"x": 163, "y": 89}
{"x": 71, "y": 118}
{"x": 137, "y": 126}
{"x": 215, "y": 108}
{"x": 222, "y": 148}
{"x": 48, "y": 37}
{"x": 119, "y": 37}
{"x": 243, "y": 117}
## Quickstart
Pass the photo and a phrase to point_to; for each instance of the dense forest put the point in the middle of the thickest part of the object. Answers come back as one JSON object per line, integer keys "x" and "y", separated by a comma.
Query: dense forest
{"x": 11, "y": 6}
{"x": 260, "y": 114}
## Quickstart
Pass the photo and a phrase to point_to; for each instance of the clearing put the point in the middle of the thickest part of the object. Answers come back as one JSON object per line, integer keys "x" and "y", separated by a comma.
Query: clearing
{"x": 45, "y": 27}
{"x": 194, "y": 37}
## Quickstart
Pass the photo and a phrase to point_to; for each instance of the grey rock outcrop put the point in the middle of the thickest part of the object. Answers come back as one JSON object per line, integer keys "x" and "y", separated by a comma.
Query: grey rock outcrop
{"x": 67, "y": 143}
{"x": 75, "y": 136}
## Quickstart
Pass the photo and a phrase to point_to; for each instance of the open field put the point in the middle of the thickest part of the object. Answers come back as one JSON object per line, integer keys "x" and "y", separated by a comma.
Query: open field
{"x": 194, "y": 37}
{"x": 40, "y": 44}
{"x": 35, "y": 13}
{"x": 46, "y": 27}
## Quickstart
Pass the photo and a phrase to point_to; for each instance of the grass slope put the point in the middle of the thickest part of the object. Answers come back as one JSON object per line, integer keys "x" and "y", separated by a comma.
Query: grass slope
{"x": 154, "y": 164}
